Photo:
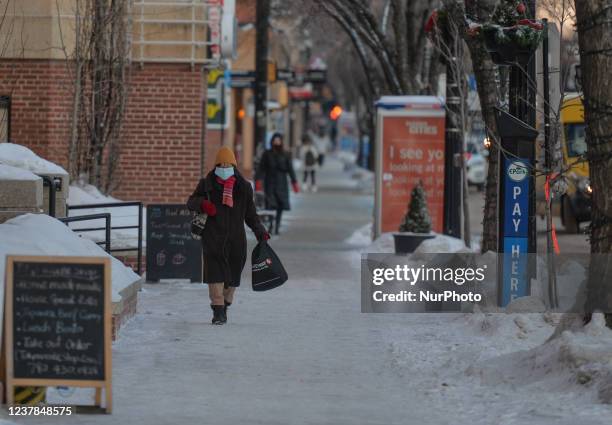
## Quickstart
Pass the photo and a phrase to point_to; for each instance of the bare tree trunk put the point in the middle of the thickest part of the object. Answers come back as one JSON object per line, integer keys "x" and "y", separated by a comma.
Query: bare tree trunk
{"x": 484, "y": 71}
{"x": 594, "y": 20}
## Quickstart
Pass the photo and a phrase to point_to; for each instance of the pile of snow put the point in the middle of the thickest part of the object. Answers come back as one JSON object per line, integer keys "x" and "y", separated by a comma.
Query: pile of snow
{"x": 361, "y": 236}
{"x": 578, "y": 361}
{"x": 21, "y": 157}
{"x": 439, "y": 244}
{"x": 383, "y": 244}
{"x": 442, "y": 244}
{"x": 83, "y": 193}
{"x": 8, "y": 172}
{"x": 40, "y": 234}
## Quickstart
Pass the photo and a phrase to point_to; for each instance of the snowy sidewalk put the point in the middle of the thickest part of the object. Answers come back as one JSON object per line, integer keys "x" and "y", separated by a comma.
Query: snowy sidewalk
{"x": 304, "y": 354}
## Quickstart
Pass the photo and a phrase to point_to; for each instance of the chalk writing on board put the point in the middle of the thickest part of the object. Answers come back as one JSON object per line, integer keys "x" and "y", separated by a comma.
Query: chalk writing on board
{"x": 58, "y": 321}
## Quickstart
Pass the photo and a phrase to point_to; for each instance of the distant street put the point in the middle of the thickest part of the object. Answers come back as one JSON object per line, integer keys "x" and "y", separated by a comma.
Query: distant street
{"x": 568, "y": 243}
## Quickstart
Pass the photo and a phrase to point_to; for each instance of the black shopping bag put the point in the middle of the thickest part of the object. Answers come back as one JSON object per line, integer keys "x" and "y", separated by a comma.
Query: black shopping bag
{"x": 267, "y": 270}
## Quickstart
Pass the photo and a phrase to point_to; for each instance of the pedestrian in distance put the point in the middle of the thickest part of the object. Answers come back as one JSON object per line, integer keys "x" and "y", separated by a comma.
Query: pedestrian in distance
{"x": 275, "y": 168}
{"x": 226, "y": 197}
{"x": 310, "y": 156}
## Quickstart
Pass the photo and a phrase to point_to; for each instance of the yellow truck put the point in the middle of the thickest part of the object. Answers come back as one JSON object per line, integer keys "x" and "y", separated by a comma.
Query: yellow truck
{"x": 574, "y": 206}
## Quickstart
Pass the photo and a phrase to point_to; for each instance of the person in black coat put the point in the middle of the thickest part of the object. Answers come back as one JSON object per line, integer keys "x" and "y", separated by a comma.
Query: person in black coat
{"x": 275, "y": 167}
{"x": 227, "y": 199}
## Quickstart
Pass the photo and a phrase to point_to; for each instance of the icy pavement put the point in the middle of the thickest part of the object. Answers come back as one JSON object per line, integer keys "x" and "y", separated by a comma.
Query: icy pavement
{"x": 304, "y": 354}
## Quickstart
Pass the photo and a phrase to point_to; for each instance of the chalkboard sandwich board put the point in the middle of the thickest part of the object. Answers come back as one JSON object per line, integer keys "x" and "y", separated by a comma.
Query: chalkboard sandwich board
{"x": 57, "y": 324}
{"x": 172, "y": 253}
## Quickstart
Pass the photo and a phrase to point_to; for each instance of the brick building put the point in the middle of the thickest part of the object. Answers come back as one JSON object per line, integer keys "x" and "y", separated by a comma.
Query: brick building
{"x": 163, "y": 132}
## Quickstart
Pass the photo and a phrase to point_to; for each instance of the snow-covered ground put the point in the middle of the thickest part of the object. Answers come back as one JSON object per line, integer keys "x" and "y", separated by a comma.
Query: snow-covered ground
{"x": 305, "y": 354}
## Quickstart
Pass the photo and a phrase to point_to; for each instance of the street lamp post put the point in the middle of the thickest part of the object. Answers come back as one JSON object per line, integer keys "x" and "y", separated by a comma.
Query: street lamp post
{"x": 261, "y": 70}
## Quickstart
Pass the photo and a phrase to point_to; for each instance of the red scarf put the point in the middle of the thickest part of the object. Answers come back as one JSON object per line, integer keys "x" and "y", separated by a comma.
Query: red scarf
{"x": 228, "y": 190}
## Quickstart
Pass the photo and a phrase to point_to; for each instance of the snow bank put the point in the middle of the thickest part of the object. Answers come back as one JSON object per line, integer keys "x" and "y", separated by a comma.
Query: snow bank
{"x": 437, "y": 245}
{"x": 361, "y": 236}
{"x": 82, "y": 193}
{"x": 40, "y": 234}
{"x": 383, "y": 244}
{"x": 8, "y": 172}
{"x": 22, "y": 157}
{"x": 578, "y": 361}
{"x": 442, "y": 244}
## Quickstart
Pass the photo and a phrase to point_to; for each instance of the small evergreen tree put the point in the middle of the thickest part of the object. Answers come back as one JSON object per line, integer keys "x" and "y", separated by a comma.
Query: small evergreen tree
{"x": 417, "y": 219}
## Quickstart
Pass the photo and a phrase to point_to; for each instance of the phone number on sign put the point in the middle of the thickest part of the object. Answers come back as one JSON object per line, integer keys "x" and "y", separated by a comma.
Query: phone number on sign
{"x": 40, "y": 410}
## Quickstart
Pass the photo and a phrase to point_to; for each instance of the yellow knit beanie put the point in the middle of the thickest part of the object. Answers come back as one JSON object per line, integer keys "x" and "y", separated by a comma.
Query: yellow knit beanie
{"x": 225, "y": 154}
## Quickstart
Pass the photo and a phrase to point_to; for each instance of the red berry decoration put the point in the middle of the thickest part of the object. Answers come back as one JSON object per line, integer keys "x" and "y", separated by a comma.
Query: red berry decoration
{"x": 521, "y": 8}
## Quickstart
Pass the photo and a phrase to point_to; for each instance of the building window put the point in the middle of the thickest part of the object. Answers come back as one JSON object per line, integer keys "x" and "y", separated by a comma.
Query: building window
{"x": 5, "y": 119}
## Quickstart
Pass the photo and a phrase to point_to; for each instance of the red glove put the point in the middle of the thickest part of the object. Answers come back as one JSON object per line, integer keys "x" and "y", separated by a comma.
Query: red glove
{"x": 258, "y": 186}
{"x": 208, "y": 208}
{"x": 296, "y": 188}
{"x": 263, "y": 237}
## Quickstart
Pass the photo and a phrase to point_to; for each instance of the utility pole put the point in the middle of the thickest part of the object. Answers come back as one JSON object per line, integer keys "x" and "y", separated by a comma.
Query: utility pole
{"x": 261, "y": 71}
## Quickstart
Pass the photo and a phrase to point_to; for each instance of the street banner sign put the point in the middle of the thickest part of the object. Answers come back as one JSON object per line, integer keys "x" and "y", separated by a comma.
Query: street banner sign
{"x": 217, "y": 104}
{"x": 410, "y": 149}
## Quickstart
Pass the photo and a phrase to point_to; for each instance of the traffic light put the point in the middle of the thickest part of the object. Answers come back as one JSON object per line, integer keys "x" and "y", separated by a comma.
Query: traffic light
{"x": 335, "y": 112}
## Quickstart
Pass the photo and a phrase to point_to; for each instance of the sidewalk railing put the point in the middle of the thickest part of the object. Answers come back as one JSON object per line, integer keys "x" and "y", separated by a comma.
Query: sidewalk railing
{"x": 108, "y": 205}
{"x": 107, "y": 226}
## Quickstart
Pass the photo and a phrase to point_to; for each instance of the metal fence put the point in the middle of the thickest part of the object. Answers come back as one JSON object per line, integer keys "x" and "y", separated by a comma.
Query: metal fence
{"x": 108, "y": 226}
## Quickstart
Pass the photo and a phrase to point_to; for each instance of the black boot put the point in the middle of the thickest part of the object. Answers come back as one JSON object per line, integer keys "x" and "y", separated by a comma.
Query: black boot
{"x": 279, "y": 215}
{"x": 219, "y": 317}
{"x": 227, "y": 304}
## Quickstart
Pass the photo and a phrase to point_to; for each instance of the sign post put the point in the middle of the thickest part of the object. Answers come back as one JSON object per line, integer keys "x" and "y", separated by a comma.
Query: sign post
{"x": 515, "y": 209}
{"x": 57, "y": 324}
{"x": 172, "y": 253}
{"x": 409, "y": 149}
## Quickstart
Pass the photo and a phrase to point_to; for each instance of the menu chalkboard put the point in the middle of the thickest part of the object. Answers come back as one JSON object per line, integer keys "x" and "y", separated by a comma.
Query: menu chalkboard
{"x": 58, "y": 322}
{"x": 172, "y": 253}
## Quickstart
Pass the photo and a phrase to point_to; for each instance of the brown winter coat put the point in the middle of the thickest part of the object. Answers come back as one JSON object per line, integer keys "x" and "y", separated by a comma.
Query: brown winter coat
{"x": 224, "y": 238}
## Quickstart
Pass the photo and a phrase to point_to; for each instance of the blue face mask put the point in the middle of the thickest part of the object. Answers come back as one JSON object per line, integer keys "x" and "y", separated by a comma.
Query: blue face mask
{"x": 224, "y": 173}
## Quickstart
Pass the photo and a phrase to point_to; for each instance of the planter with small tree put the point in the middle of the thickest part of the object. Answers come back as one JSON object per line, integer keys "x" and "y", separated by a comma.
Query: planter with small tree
{"x": 416, "y": 226}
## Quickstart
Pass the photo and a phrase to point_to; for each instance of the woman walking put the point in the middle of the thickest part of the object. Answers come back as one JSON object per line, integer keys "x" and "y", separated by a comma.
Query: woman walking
{"x": 227, "y": 198}
{"x": 274, "y": 169}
